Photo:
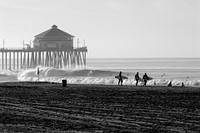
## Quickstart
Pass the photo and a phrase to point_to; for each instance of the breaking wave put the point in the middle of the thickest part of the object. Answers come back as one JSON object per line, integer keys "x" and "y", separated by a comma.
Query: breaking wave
{"x": 89, "y": 76}
{"x": 8, "y": 73}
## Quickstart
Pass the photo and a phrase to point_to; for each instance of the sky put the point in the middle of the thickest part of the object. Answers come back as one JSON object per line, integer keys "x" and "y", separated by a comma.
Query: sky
{"x": 110, "y": 28}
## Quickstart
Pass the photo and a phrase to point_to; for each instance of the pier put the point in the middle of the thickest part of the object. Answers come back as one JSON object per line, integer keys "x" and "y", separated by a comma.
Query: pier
{"x": 52, "y": 48}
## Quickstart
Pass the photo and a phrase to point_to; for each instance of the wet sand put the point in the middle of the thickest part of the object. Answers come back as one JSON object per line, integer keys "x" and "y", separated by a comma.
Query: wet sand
{"x": 49, "y": 107}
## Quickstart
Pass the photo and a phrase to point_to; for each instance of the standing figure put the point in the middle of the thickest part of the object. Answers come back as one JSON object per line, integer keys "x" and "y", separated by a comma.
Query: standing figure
{"x": 182, "y": 85}
{"x": 145, "y": 78}
{"x": 137, "y": 77}
{"x": 120, "y": 78}
{"x": 38, "y": 73}
{"x": 170, "y": 84}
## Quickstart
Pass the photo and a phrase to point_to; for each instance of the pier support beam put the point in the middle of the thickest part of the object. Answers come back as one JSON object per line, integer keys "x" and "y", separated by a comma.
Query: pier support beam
{"x": 2, "y": 59}
{"x": 6, "y": 60}
{"x": 21, "y": 65}
{"x": 17, "y": 60}
{"x": 24, "y": 61}
{"x": 10, "y": 58}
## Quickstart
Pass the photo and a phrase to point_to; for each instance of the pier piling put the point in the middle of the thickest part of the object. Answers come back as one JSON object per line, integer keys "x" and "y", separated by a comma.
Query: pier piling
{"x": 30, "y": 58}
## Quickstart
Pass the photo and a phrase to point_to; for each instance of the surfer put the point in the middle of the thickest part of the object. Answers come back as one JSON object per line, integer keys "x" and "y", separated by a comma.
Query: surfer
{"x": 170, "y": 84}
{"x": 38, "y": 73}
{"x": 145, "y": 78}
{"x": 137, "y": 77}
{"x": 162, "y": 75}
{"x": 120, "y": 78}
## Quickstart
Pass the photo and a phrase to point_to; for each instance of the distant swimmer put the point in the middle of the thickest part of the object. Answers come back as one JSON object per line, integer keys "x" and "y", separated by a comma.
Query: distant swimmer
{"x": 90, "y": 73}
{"x": 145, "y": 78}
{"x": 170, "y": 84}
{"x": 137, "y": 78}
{"x": 120, "y": 78}
{"x": 163, "y": 75}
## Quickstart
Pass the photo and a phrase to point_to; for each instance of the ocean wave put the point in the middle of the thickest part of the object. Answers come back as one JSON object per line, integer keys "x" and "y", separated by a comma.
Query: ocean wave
{"x": 89, "y": 76}
{"x": 8, "y": 73}
{"x": 54, "y": 72}
{"x": 113, "y": 81}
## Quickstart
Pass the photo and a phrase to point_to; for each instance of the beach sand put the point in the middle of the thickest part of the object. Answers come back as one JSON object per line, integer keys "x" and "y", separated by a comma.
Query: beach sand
{"x": 49, "y": 107}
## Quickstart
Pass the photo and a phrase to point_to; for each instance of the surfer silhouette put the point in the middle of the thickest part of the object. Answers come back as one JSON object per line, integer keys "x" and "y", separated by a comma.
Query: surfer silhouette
{"x": 145, "y": 78}
{"x": 120, "y": 78}
{"x": 38, "y": 73}
{"x": 137, "y": 77}
{"x": 170, "y": 84}
{"x": 182, "y": 85}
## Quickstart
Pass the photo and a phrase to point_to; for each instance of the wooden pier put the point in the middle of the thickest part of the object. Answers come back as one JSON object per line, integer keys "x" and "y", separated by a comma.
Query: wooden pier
{"x": 51, "y": 48}
{"x": 15, "y": 59}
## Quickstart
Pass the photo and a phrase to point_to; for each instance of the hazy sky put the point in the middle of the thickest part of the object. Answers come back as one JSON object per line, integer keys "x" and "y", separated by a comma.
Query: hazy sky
{"x": 111, "y": 28}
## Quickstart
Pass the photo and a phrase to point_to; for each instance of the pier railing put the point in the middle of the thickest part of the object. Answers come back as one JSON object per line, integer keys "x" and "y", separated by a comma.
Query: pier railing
{"x": 33, "y": 49}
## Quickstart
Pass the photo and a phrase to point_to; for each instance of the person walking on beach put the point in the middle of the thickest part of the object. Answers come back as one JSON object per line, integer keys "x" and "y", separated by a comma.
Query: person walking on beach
{"x": 120, "y": 78}
{"x": 145, "y": 78}
{"x": 137, "y": 77}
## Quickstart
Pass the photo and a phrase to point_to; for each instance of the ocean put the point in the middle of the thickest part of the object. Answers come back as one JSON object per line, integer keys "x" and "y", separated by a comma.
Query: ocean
{"x": 103, "y": 71}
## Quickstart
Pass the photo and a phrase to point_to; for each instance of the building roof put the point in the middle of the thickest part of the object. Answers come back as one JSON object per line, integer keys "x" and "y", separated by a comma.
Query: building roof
{"x": 54, "y": 32}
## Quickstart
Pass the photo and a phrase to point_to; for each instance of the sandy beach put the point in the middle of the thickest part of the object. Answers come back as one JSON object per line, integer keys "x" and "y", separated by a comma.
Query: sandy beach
{"x": 49, "y": 107}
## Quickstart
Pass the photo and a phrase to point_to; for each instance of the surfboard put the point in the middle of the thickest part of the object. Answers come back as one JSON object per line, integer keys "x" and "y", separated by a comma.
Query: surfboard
{"x": 149, "y": 78}
{"x": 123, "y": 77}
{"x": 140, "y": 79}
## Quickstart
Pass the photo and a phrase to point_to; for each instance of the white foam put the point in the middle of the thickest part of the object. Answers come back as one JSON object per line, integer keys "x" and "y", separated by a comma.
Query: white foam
{"x": 8, "y": 73}
{"x": 89, "y": 76}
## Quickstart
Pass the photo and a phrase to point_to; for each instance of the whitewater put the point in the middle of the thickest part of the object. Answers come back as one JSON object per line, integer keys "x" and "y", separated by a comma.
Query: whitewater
{"x": 103, "y": 71}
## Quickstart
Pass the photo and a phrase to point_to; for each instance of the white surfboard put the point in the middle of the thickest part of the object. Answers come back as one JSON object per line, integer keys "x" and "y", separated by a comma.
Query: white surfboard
{"x": 141, "y": 80}
{"x": 123, "y": 77}
{"x": 149, "y": 78}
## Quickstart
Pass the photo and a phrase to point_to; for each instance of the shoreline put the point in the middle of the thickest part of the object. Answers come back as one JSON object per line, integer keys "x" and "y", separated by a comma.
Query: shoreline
{"x": 94, "y": 84}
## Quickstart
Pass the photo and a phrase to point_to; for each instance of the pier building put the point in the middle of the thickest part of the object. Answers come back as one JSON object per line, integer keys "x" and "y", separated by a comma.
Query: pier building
{"x": 51, "y": 48}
